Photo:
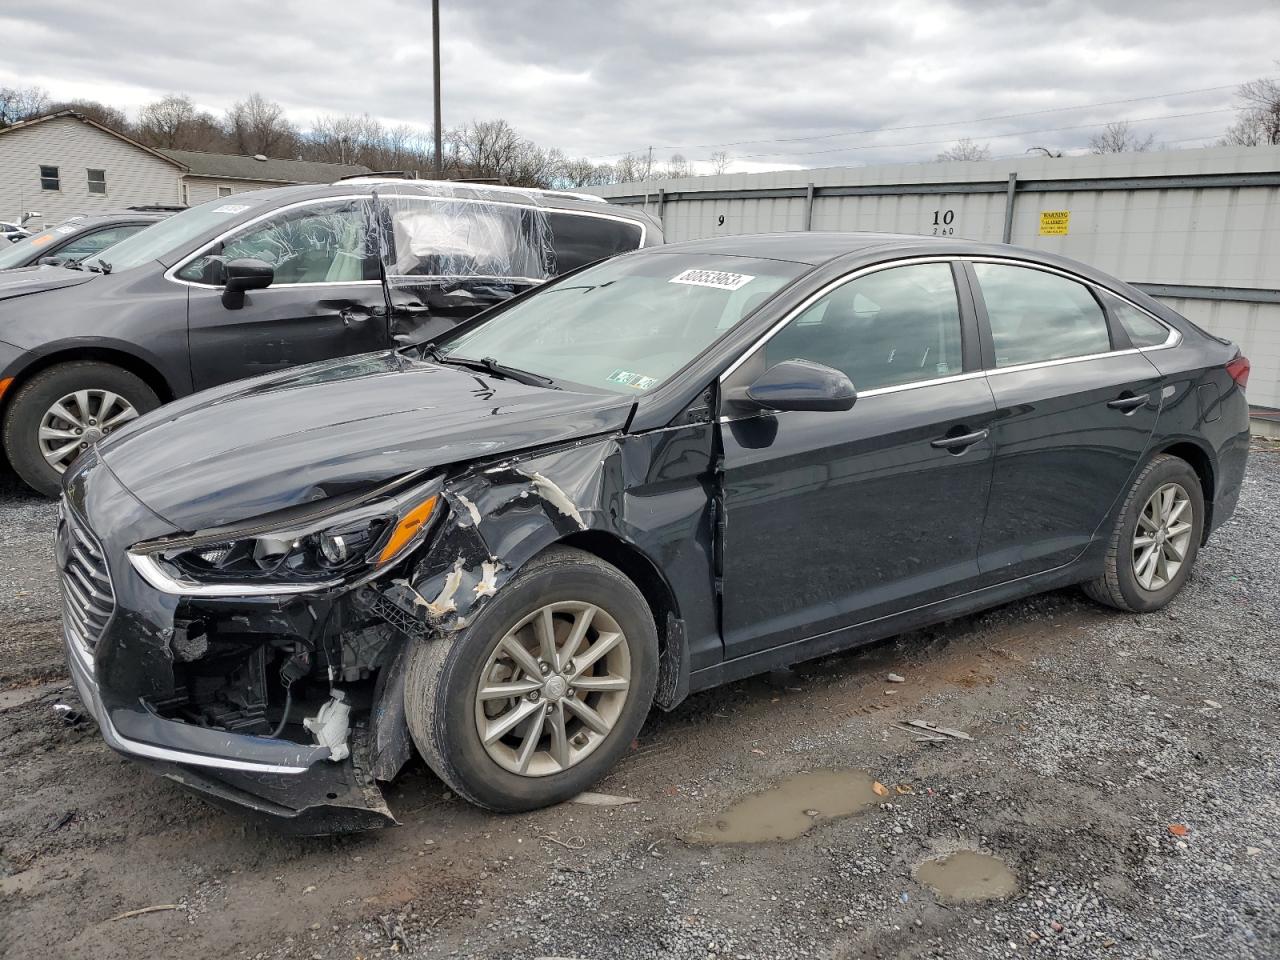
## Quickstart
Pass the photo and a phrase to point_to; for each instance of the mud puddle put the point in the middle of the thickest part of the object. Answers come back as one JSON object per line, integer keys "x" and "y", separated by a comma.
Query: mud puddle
{"x": 968, "y": 877}
{"x": 790, "y": 808}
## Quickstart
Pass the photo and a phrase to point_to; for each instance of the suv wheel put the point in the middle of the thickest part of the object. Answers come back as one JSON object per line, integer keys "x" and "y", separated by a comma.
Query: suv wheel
{"x": 538, "y": 697}
{"x": 1155, "y": 539}
{"x": 62, "y": 411}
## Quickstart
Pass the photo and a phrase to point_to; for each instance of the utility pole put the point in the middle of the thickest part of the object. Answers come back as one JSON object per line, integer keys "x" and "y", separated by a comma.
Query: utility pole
{"x": 435, "y": 65}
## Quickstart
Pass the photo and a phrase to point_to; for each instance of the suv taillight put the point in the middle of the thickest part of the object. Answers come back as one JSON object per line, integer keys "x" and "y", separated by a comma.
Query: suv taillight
{"x": 1239, "y": 370}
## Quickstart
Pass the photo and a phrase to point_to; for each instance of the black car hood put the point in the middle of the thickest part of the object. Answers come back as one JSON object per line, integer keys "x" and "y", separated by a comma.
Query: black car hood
{"x": 250, "y": 448}
{"x": 24, "y": 281}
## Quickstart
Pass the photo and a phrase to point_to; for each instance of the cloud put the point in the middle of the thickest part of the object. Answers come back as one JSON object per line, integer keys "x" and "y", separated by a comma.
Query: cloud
{"x": 603, "y": 78}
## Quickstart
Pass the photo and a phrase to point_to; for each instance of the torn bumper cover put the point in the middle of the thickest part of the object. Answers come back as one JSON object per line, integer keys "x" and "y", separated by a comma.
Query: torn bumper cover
{"x": 296, "y": 785}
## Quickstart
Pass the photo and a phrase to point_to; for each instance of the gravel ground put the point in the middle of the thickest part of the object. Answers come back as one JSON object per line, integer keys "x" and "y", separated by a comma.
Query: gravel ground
{"x": 1125, "y": 769}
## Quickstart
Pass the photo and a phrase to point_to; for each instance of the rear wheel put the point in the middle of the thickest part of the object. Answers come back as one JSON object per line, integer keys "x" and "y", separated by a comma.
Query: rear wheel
{"x": 62, "y": 411}
{"x": 540, "y": 695}
{"x": 1155, "y": 540}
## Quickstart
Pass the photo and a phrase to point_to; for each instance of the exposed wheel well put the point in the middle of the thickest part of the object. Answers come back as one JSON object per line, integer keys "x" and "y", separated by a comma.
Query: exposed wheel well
{"x": 126, "y": 361}
{"x": 638, "y": 569}
{"x": 1203, "y": 466}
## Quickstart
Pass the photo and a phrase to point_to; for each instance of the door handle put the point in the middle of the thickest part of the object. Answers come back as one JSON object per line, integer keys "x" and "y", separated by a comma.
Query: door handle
{"x": 1128, "y": 403}
{"x": 960, "y": 442}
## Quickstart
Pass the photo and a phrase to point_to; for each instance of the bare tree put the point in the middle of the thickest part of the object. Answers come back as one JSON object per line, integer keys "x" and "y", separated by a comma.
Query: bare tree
{"x": 966, "y": 149}
{"x": 1120, "y": 138}
{"x": 1258, "y": 123}
{"x": 101, "y": 113}
{"x": 720, "y": 161}
{"x": 174, "y": 123}
{"x": 678, "y": 167}
{"x": 257, "y": 125}
{"x": 346, "y": 139}
{"x": 21, "y": 103}
{"x": 488, "y": 148}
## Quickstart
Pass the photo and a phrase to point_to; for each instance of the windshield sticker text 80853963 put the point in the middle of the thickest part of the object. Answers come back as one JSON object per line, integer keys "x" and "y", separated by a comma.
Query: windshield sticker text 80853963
{"x": 637, "y": 380}
{"x": 713, "y": 278}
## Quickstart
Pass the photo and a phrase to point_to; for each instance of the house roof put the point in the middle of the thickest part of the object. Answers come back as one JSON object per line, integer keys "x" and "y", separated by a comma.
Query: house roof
{"x": 73, "y": 115}
{"x": 226, "y": 166}
{"x": 220, "y": 165}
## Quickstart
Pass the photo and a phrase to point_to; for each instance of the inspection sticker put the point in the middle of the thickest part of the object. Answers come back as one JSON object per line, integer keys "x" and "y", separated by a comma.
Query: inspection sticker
{"x": 713, "y": 278}
{"x": 232, "y": 208}
{"x": 639, "y": 381}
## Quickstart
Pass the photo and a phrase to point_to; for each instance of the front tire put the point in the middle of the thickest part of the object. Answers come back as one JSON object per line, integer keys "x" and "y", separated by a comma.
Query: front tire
{"x": 62, "y": 411}
{"x": 538, "y": 697}
{"x": 1155, "y": 539}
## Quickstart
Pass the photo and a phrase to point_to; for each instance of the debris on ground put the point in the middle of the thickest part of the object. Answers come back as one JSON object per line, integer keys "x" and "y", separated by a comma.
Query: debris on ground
{"x": 158, "y": 908}
{"x": 590, "y": 799}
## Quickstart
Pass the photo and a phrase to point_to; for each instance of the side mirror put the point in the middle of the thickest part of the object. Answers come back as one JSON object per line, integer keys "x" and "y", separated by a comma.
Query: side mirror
{"x": 242, "y": 275}
{"x": 802, "y": 385}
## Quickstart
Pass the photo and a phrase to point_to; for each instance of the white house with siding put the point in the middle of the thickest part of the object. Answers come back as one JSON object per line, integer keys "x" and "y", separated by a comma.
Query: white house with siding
{"x": 65, "y": 164}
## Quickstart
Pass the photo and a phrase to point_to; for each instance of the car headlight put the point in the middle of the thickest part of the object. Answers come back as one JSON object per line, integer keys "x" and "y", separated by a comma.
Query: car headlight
{"x": 312, "y": 547}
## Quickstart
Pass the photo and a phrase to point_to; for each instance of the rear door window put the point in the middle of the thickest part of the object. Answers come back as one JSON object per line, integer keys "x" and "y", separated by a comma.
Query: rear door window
{"x": 1037, "y": 316}
{"x": 580, "y": 239}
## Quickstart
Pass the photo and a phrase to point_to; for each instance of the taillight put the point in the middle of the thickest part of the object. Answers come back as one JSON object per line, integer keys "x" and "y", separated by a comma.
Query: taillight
{"x": 1239, "y": 370}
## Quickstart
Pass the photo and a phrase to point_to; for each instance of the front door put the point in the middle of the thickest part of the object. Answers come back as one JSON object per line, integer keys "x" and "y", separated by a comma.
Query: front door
{"x": 1076, "y": 410}
{"x": 832, "y": 519}
{"x": 325, "y": 300}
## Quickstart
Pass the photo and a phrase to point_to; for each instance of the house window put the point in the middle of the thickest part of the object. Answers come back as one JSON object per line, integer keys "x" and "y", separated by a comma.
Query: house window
{"x": 186, "y": 195}
{"x": 224, "y": 191}
{"x": 49, "y": 178}
{"x": 97, "y": 181}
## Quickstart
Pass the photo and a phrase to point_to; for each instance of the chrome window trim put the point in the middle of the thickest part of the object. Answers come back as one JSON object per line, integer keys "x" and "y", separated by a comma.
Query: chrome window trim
{"x": 172, "y": 273}
{"x": 1172, "y": 340}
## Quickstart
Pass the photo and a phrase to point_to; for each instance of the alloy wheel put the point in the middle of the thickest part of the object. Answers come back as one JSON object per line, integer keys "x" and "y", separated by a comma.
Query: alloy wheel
{"x": 78, "y": 421}
{"x": 553, "y": 688}
{"x": 1162, "y": 536}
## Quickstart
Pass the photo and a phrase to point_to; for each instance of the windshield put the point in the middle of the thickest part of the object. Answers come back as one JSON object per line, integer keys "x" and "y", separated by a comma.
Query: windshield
{"x": 167, "y": 235}
{"x": 16, "y": 254}
{"x": 628, "y": 324}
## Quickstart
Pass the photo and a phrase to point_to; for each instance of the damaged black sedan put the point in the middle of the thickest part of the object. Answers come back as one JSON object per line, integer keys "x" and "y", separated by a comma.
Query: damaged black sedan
{"x": 653, "y": 475}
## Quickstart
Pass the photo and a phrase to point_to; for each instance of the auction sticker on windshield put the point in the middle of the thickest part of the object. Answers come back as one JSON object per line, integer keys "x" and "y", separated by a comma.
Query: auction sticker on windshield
{"x": 713, "y": 278}
{"x": 637, "y": 380}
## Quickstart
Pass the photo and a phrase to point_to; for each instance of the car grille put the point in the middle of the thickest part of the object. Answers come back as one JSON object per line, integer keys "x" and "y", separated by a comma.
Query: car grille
{"x": 87, "y": 598}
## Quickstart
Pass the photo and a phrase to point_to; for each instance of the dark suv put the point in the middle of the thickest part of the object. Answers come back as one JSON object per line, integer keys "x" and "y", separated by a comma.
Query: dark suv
{"x": 261, "y": 281}
{"x": 78, "y": 237}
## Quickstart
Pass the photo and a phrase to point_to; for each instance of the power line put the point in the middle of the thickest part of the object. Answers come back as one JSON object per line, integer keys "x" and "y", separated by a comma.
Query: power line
{"x": 999, "y": 136}
{"x": 946, "y": 123}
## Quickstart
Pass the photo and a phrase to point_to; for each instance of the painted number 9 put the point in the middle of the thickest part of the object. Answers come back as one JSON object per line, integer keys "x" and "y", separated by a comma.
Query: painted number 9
{"x": 942, "y": 223}
{"x": 720, "y": 221}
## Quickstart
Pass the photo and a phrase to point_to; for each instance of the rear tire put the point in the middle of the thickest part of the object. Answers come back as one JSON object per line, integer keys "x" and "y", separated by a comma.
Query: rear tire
{"x": 32, "y": 408}
{"x": 448, "y": 716}
{"x": 1155, "y": 540}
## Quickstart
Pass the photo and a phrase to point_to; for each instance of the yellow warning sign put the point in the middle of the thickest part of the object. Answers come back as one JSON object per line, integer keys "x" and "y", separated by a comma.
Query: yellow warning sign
{"x": 1054, "y": 222}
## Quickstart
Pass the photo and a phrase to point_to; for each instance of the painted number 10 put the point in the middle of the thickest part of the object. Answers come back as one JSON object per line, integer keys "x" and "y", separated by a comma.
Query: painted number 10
{"x": 942, "y": 223}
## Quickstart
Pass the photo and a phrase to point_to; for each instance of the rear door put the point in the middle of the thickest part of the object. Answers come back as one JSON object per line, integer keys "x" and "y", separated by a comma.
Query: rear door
{"x": 1076, "y": 407}
{"x": 835, "y": 518}
{"x": 325, "y": 301}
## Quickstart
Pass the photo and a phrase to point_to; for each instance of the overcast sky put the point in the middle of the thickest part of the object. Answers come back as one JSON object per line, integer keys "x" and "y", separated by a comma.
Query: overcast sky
{"x": 602, "y": 78}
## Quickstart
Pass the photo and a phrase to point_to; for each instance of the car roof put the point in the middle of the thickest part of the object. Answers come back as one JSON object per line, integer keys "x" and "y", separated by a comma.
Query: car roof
{"x": 525, "y": 196}
{"x": 124, "y": 216}
{"x": 813, "y": 247}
